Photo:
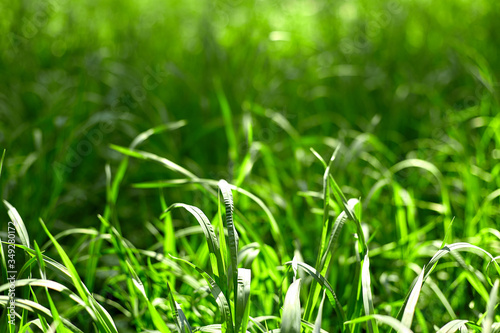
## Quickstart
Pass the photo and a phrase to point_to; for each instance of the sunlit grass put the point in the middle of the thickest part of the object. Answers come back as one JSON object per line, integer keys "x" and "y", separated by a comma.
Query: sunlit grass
{"x": 357, "y": 143}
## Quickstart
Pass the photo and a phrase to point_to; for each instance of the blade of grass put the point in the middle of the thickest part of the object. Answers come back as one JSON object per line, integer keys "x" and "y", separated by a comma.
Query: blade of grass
{"x": 290, "y": 320}
{"x": 217, "y": 263}
{"x": 218, "y": 295}
{"x": 332, "y": 297}
{"x": 18, "y": 223}
{"x": 367, "y": 293}
{"x": 317, "y": 323}
{"x": 242, "y": 310}
{"x": 453, "y": 326}
{"x": 409, "y": 310}
{"x": 490, "y": 309}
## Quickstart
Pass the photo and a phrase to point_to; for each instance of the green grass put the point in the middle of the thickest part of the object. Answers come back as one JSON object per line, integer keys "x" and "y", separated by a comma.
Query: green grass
{"x": 251, "y": 166}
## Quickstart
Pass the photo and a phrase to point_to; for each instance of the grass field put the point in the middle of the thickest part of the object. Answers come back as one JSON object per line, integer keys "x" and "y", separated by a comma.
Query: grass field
{"x": 232, "y": 166}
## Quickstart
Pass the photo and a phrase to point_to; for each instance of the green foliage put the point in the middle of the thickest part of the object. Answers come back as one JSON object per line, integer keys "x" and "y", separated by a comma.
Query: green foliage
{"x": 343, "y": 151}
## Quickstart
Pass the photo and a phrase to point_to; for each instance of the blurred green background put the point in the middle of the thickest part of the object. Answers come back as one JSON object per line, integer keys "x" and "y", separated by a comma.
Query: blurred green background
{"x": 394, "y": 79}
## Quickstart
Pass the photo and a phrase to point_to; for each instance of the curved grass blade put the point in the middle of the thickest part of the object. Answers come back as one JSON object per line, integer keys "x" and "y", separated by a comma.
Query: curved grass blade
{"x": 427, "y": 270}
{"x": 77, "y": 282}
{"x": 18, "y": 223}
{"x": 104, "y": 321}
{"x": 332, "y": 297}
{"x": 275, "y": 230}
{"x": 217, "y": 293}
{"x": 453, "y": 326}
{"x": 210, "y": 236}
{"x": 155, "y": 130}
{"x": 37, "y": 309}
{"x": 290, "y": 320}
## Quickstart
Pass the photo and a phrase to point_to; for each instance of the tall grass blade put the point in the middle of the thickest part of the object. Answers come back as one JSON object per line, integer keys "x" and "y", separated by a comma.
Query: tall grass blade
{"x": 232, "y": 240}
{"x": 409, "y": 310}
{"x": 53, "y": 309}
{"x": 490, "y": 309}
{"x": 242, "y": 309}
{"x": 319, "y": 317}
{"x": 367, "y": 293}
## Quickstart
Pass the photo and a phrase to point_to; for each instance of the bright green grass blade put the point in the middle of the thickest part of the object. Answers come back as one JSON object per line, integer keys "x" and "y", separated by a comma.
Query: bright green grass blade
{"x": 210, "y": 236}
{"x": 218, "y": 295}
{"x": 155, "y": 315}
{"x": 350, "y": 213}
{"x": 490, "y": 309}
{"x": 155, "y": 130}
{"x": 462, "y": 246}
{"x": 71, "y": 232}
{"x": 77, "y": 282}
{"x": 390, "y": 321}
{"x": 453, "y": 326}
{"x": 43, "y": 322}
{"x": 242, "y": 309}
{"x": 314, "y": 291}
{"x": 148, "y": 156}
{"x": 332, "y": 297}
{"x": 37, "y": 309}
{"x": 318, "y": 156}
{"x": 337, "y": 227}
{"x": 47, "y": 284}
{"x": 317, "y": 323}
{"x": 409, "y": 309}
{"x": 367, "y": 293}
{"x": 434, "y": 260}
{"x": 169, "y": 241}
{"x": 104, "y": 320}
{"x": 290, "y": 320}
{"x": 103, "y": 317}
{"x": 27, "y": 329}
{"x": 18, "y": 223}
{"x": 53, "y": 309}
